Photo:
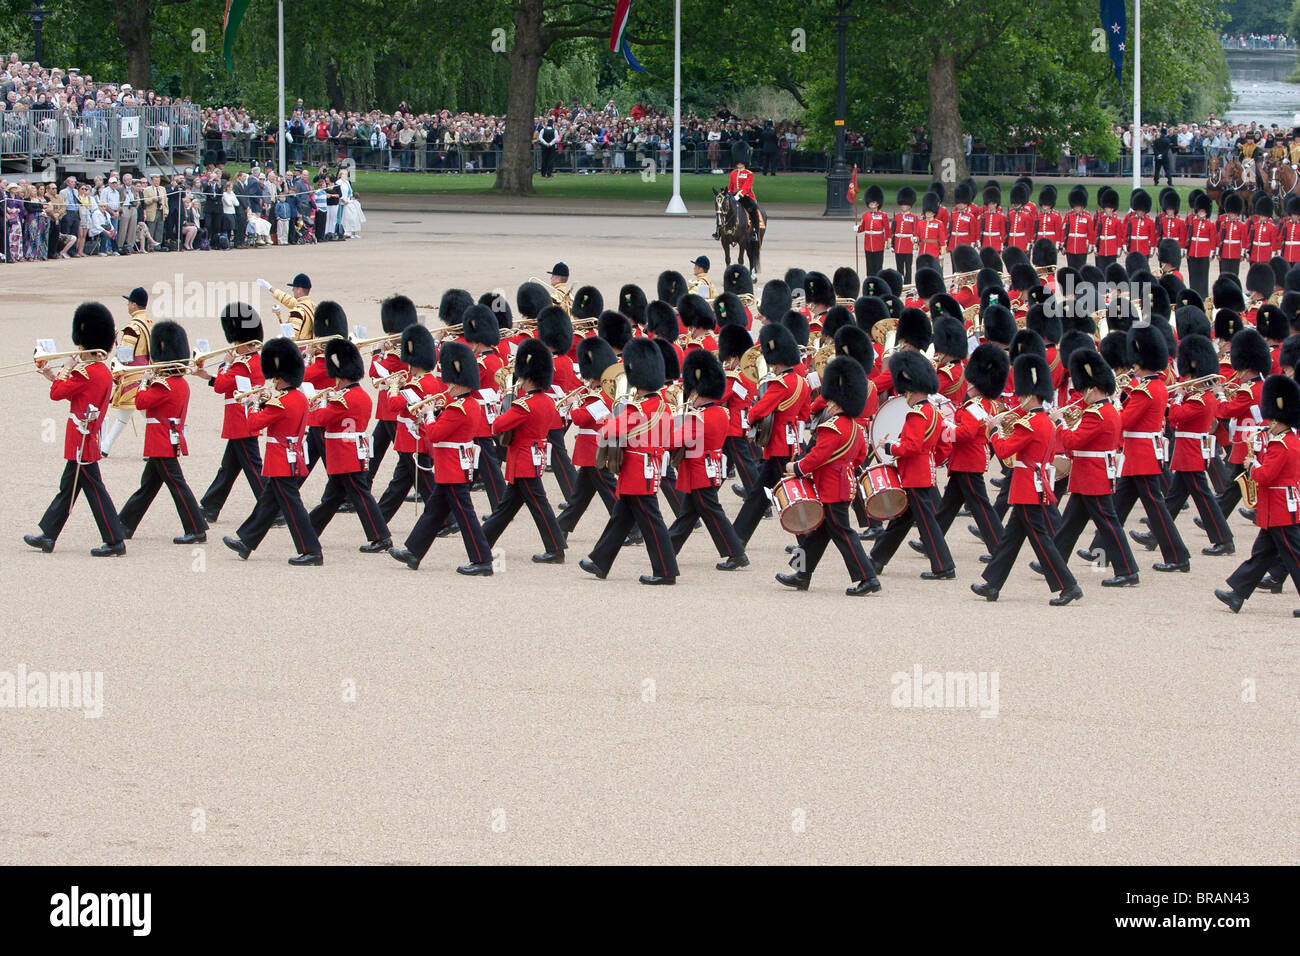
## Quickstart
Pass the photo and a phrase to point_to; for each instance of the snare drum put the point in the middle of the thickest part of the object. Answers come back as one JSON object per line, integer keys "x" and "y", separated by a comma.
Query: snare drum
{"x": 882, "y": 492}
{"x": 1062, "y": 464}
{"x": 796, "y": 502}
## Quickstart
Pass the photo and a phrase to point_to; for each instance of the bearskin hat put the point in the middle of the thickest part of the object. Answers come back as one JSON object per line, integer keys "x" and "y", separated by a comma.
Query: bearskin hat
{"x": 987, "y": 278}
{"x": 987, "y": 369}
{"x": 1089, "y": 370}
{"x": 944, "y": 304}
{"x": 1190, "y": 320}
{"x": 555, "y": 330}
{"x": 702, "y": 373}
{"x": 929, "y": 283}
{"x": 1197, "y": 356}
{"x": 845, "y": 384}
{"x": 1189, "y": 296}
{"x": 882, "y": 284}
{"x": 993, "y": 195}
{"x": 1289, "y": 355}
{"x": 1227, "y": 294}
{"x": 835, "y": 319}
{"x": 1046, "y": 324}
{"x": 1135, "y": 263}
{"x": 330, "y": 319}
{"x": 818, "y": 290}
{"x": 1172, "y": 285}
{"x": 964, "y": 193}
{"x": 965, "y": 259}
{"x": 671, "y": 286}
{"x": 1140, "y": 200}
{"x": 1227, "y": 323}
{"x": 1019, "y": 193}
{"x": 496, "y": 303}
{"x": 1156, "y": 301}
{"x": 1148, "y": 349}
{"x": 695, "y": 313}
{"x": 452, "y": 306}
{"x": 906, "y": 196}
{"x": 868, "y": 310}
{"x": 1203, "y": 203}
{"x": 912, "y": 372}
{"x": 729, "y": 310}
{"x": 999, "y": 324}
{"x": 994, "y": 295}
{"x": 614, "y": 328}
{"x": 594, "y": 356}
{"x": 1107, "y": 198}
{"x": 458, "y": 365}
{"x": 534, "y": 362}
{"x": 737, "y": 280}
{"x": 1047, "y": 196}
{"x": 661, "y": 321}
{"x": 930, "y": 203}
{"x": 1280, "y": 268}
{"x": 417, "y": 347}
{"x": 1032, "y": 376}
{"x": 776, "y": 299}
{"x": 733, "y": 342}
{"x": 1169, "y": 253}
{"x": 741, "y": 153}
{"x": 343, "y": 361}
{"x": 1263, "y": 205}
{"x": 1250, "y": 352}
{"x": 1023, "y": 277}
{"x": 588, "y": 303}
{"x": 874, "y": 194}
{"x": 1161, "y": 324}
{"x": 1280, "y": 400}
{"x": 531, "y": 298}
{"x": 632, "y": 303}
{"x": 1026, "y": 342}
{"x": 1259, "y": 279}
{"x": 778, "y": 344}
{"x": 794, "y": 278}
{"x": 1013, "y": 254}
{"x": 1272, "y": 322}
{"x": 1293, "y": 205}
{"x": 1114, "y": 349}
{"x": 950, "y": 337}
{"x": 846, "y": 283}
{"x": 1071, "y": 342}
{"x": 1232, "y": 204}
{"x": 1292, "y": 283}
{"x": 282, "y": 359}
{"x": 1116, "y": 274}
{"x": 797, "y": 323}
{"x": 857, "y": 345}
{"x": 240, "y": 323}
{"x": 936, "y": 187}
{"x": 479, "y": 325}
{"x": 672, "y": 359}
{"x": 895, "y": 305}
{"x": 1044, "y": 252}
{"x": 643, "y": 363}
{"x": 914, "y": 328}
{"x": 1291, "y": 306}
{"x": 1078, "y": 196}
{"x": 168, "y": 342}
{"x": 926, "y": 261}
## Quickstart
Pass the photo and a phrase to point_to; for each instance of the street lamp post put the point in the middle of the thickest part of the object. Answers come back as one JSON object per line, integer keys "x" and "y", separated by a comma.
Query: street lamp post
{"x": 837, "y": 180}
{"x": 38, "y": 14}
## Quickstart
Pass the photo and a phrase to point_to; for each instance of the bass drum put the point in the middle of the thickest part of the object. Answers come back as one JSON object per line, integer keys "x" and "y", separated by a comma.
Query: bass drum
{"x": 888, "y": 425}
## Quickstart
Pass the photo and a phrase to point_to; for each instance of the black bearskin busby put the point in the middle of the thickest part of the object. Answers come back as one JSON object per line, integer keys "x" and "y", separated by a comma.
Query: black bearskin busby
{"x": 555, "y": 330}
{"x": 845, "y": 384}
{"x": 912, "y": 372}
{"x": 1249, "y": 352}
{"x": 1280, "y": 401}
{"x": 857, "y": 345}
{"x": 417, "y": 348}
{"x": 330, "y": 319}
{"x": 452, "y": 306}
{"x": 988, "y": 369}
{"x": 282, "y": 359}
{"x": 733, "y": 342}
{"x": 776, "y": 299}
{"x": 458, "y": 365}
{"x": 1089, "y": 370}
{"x": 1032, "y": 376}
{"x": 168, "y": 342}
{"x": 950, "y": 338}
{"x": 671, "y": 286}
{"x": 778, "y": 344}
{"x": 702, "y": 373}
{"x": 644, "y": 365}
{"x": 594, "y": 356}
{"x": 632, "y": 303}
{"x": 343, "y": 361}
{"x": 240, "y": 323}
{"x": 531, "y": 298}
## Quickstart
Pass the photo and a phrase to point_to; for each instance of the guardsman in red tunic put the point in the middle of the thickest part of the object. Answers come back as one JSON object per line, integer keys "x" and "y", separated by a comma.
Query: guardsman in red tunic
{"x": 641, "y": 428}
{"x": 419, "y": 354}
{"x": 1251, "y": 362}
{"x": 555, "y": 331}
{"x": 1202, "y": 243}
{"x": 1080, "y": 229}
{"x": 733, "y": 343}
{"x": 343, "y": 415}
{"x": 1108, "y": 229}
{"x": 1169, "y": 224}
{"x": 699, "y": 432}
{"x": 1029, "y": 444}
{"x": 1051, "y": 224}
{"x": 243, "y": 330}
{"x": 741, "y": 185}
{"x": 1275, "y": 471}
{"x": 1233, "y": 235}
{"x": 1140, "y": 228}
{"x": 450, "y": 435}
{"x": 986, "y": 375}
{"x": 839, "y": 449}
{"x": 165, "y": 401}
{"x": 529, "y": 421}
{"x": 931, "y": 233}
{"x": 905, "y": 227}
{"x": 964, "y": 225}
{"x": 1145, "y": 448}
{"x": 1022, "y": 219}
{"x": 396, "y": 314}
{"x": 1092, "y": 443}
{"x": 86, "y": 387}
{"x": 591, "y": 408}
{"x": 1290, "y": 234}
{"x": 481, "y": 331}
{"x": 914, "y": 451}
{"x": 1192, "y": 413}
{"x": 993, "y": 221}
{"x": 697, "y": 315}
{"x": 330, "y": 320}
{"x": 784, "y": 396}
{"x": 876, "y": 230}
{"x": 284, "y": 417}
{"x": 1263, "y": 240}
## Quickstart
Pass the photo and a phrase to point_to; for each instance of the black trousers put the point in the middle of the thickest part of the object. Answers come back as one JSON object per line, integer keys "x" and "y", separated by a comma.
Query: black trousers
{"x": 873, "y": 262}
{"x": 1198, "y": 275}
{"x": 591, "y": 481}
{"x": 1231, "y": 267}
{"x": 668, "y": 485}
{"x": 1104, "y": 262}
{"x": 1195, "y": 484}
{"x": 769, "y": 163}
{"x": 353, "y": 486}
{"x": 566, "y": 476}
{"x": 643, "y": 511}
{"x": 1217, "y": 472}
{"x": 315, "y": 444}
{"x": 1231, "y": 496}
{"x": 449, "y": 501}
{"x": 921, "y": 512}
{"x": 412, "y": 471}
{"x": 241, "y": 454}
{"x": 836, "y": 528}
{"x": 1130, "y": 488}
{"x": 756, "y": 502}
{"x": 489, "y": 470}
{"x": 703, "y": 503}
{"x": 90, "y": 483}
{"x": 280, "y": 497}
{"x": 967, "y": 487}
{"x": 159, "y": 472}
{"x": 741, "y": 453}
{"x": 1100, "y": 510}
{"x": 1076, "y": 260}
{"x": 380, "y": 439}
{"x": 1272, "y": 546}
{"x": 530, "y": 492}
{"x": 1028, "y": 521}
{"x": 903, "y": 263}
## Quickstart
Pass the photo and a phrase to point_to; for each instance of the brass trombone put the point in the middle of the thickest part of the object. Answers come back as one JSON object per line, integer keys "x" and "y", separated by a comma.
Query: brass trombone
{"x": 1198, "y": 386}
{"x": 377, "y": 340}
{"x": 41, "y": 359}
{"x": 242, "y": 349}
{"x": 576, "y": 397}
{"x": 393, "y": 380}
{"x": 180, "y": 367}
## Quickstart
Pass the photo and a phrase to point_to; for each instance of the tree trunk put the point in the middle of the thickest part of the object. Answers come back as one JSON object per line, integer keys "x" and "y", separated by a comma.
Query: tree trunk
{"x": 134, "y": 22}
{"x": 947, "y": 152}
{"x": 515, "y": 175}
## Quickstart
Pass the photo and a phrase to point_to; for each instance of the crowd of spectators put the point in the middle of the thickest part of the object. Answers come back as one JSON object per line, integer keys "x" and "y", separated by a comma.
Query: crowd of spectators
{"x": 1257, "y": 41}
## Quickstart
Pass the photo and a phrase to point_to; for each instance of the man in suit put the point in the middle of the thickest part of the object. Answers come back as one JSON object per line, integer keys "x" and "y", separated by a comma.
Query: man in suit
{"x": 771, "y": 148}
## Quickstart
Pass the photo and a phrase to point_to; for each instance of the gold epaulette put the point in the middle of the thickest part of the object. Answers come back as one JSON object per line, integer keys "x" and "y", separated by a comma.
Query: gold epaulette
{"x": 1144, "y": 387}
{"x": 1023, "y": 423}
{"x": 83, "y": 371}
{"x": 521, "y": 403}
{"x": 458, "y": 403}
{"x": 274, "y": 402}
{"x": 1274, "y": 439}
{"x": 1095, "y": 410}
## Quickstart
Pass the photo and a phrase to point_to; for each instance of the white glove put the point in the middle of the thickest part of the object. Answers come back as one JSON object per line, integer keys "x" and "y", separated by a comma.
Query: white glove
{"x": 264, "y": 284}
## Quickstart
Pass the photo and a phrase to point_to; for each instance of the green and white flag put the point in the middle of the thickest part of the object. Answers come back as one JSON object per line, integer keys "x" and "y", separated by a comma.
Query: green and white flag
{"x": 230, "y": 26}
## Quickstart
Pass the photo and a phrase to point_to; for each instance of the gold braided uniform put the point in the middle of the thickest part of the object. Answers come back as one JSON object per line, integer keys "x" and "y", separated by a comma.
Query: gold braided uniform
{"x": 302, "y": 313}
{"x": 701, "y": 286}
{"x": 135, "y": 334}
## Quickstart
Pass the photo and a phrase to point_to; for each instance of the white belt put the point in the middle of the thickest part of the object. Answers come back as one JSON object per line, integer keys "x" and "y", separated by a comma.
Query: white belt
{"x": 454, "y": 445}
{"x": 586, "y": 431}
{"x": 346, "y": 436}
{"x": 1143, "y": 434}
{"x": 1195, "y": 435}
{"x": 1090, "y": 454}
{"x": 875, "y": 232}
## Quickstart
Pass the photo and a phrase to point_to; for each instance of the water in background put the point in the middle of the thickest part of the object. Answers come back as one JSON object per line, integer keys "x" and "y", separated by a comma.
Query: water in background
{"x": 1260, "y": 93}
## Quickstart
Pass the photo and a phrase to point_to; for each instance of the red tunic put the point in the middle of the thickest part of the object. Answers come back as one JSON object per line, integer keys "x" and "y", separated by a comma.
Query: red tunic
{"x": 952, "y": 381}
{"x": 876, "y": 230}
{"x": 904, "y": 227}
{"x": 1141, "y": 234}
{"x": 740, "y": 395}
{"x": 165, "y": 403}
{"x": 1263, "y": 240}
{"x": 833, "y": 459}
{"x": 1051, "y": 225}
{"x": 1021, "y": 225}
{"x": 970, "y": 446}
{"x": 531, "y": 417}
{"x": 285, "y": 422}
{"x": 1143, "y": 417}
{"x": 226, "y": 383}
{"x": 380, "y": 367}
{"x": 1193, "y": 421}
{"x": 915, "y": 448}
{"x": 487, "y": 397}
{"x": 1109, "y": 232}
{"x": 1232, "y": 237}
{"x": 345, "y": 420}
{"x": 449, "y": 440}
{"x": 587, "y": 419}
{"x": 931, "y": 237}
{"x": 786, "y": 398}
{"x": 1093, "y": 446}
{"x": 1172, "y": 227}
{"x": 702, "y": 436}
{"x": 407, "y": 437}
{"x": 964, "y": 228}
{"x": 643, "y": 428}
{"x": 317, "y": 375}
{"x": 993, "y": 229}
{"x": 1277, "y": 472}
{"x": 1291, "y": 241}
{"x": 1031, "y": 444}
{"x": 1202, "y": 237}
{"x": 1080, "y": 233}
{"x": 90, "y": 386}
{"x": 1241, "y": 409}
{"x": 741, "y": 181}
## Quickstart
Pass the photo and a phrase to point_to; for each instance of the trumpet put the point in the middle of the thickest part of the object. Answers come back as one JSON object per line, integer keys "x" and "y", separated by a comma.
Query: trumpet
{"x": 326, "y": 395}
{"x": 242, "y": 349}
{"x": 394, "y": 380}
{"x": 266, "y": 392}
{"x": 434, "y": 403}
{"x": 575, "y": 398}
{"x": 1072, "y": 413}
{"x": 387, "y": 340}
{"x": 447, "y": 331}
{"x": 74, "y": 358}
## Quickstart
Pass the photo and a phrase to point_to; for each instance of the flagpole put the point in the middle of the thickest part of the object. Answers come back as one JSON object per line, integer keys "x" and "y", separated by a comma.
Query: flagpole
{"x": 1137, "y": 93}
{"x": 280, "y": 138}
{"x": 675, "y": 205}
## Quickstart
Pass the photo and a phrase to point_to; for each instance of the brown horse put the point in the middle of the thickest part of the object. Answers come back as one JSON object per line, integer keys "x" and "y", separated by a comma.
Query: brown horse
{"x": 1222, "y": 178}
{"x": 1278, "y": 178}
